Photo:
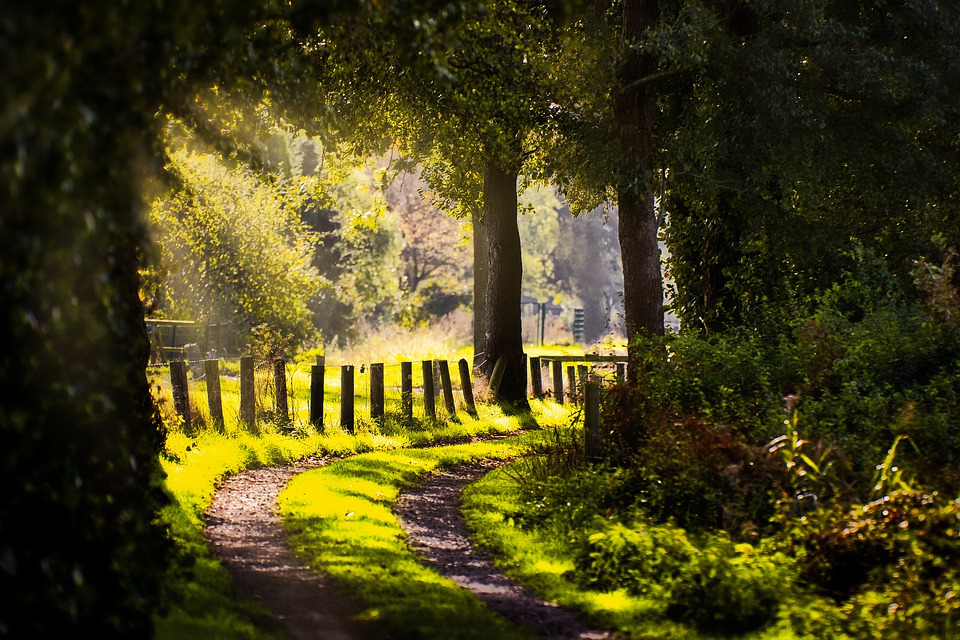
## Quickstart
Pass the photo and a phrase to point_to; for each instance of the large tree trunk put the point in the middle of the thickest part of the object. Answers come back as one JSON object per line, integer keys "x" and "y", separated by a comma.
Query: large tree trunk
{"x": 501, "y": 327}
{"x": 634, "y": 112}
{"x": 480, "y": 271}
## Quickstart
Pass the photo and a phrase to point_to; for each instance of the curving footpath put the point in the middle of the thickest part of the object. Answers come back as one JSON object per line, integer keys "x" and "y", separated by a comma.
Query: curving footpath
{"x": 438, "y": 533}
{"x": 244, "y": 531}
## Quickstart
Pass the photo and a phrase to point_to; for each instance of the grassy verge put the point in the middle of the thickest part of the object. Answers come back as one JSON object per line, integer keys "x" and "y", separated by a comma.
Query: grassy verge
{"x": 341, "y": 523}
{"x": 542, "y": 561}
{"x": 204, "y": 602}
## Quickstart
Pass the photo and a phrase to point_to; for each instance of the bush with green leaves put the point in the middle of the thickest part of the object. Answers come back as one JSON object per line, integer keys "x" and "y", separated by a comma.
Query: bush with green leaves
{"x": 644, "y": 559}
{"x": 689, "y": 471}
{"x": 731, "y": 588}
{"x": 733, "y": 382}
{"x": 558, "y": 491}
{"x": 232, "y": 247}
{"x": 892, "y": 565}
{"x": 716, "y": 585}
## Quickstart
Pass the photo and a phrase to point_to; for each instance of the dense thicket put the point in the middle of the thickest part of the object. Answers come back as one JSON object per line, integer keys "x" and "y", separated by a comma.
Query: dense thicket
{"x": 805, "y": 133}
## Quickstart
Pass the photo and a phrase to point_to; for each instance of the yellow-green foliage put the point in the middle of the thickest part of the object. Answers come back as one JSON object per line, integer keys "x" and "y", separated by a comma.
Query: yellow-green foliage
{"x": 232, "y": 246}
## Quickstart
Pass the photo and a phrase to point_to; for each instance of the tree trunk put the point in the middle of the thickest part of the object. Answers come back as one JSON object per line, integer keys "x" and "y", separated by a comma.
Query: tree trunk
{"x": 501, "y": 323}
{"x": 480, "y": 270}
{"x": 634, "y": 112}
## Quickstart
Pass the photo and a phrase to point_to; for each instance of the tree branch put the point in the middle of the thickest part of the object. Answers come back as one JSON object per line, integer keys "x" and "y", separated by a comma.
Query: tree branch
{"x": 649, "y": 79}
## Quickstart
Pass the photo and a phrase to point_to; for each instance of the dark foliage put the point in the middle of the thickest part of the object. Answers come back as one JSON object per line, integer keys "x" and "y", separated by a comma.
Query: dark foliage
{"x": 81, "y": 553}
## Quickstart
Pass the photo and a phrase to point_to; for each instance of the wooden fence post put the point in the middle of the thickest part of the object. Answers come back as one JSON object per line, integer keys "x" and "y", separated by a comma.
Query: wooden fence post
{"x": 582, "y": 377}
{"x": 536, "y": 377}
{"x": 316, "y": 393}
{"x": 591, "y": 420}
{"x": 558, "y": 381}
{"x": 621, "y": 372}
{"x": 497, "y": 376}
{"x": 211, "y": 373}
{"x": 406, "y": 389}
{"x": 572, "y": 383}
{"x": 346, "y": 397}
{"x": 376, "y": 391}
{"x": 181, "y": 394}
{"x": 447, "y": 386}
{"x": 280, "y": 386}
{"x": 467, "y": 386}
{"x": 429, "y": 399}
{"x": 523, "y": 370}
{"x": 248, "y": 399}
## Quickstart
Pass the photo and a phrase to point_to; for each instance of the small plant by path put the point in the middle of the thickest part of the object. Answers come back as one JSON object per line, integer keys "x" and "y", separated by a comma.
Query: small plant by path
{"x": 544, "y": 563}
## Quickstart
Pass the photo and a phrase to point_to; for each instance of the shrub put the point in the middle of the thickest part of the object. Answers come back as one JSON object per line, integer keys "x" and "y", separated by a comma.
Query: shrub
{"x": 701, "y": 476}
{"x": 720, "y": 587}
{"x": 730, "y": 588}
{"x": 567, "y": 503}
{"x": 643, "y": 559}
{"x": 905, "y": 542}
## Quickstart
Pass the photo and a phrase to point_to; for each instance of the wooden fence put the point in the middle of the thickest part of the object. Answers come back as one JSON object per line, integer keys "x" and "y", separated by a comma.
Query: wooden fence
{"x": 370, "y": 390}
{"x": 264, "y": 389}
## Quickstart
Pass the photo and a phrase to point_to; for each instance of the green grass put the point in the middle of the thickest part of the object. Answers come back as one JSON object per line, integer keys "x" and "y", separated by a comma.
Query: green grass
{"x": 341, "y": 523}
{"x": 543, "y": 560}
{"x": 203, "y": 600}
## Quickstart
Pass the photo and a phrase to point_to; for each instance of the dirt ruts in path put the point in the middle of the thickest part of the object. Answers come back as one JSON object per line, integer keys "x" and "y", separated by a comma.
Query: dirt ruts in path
{"x": 431, "y": 516}
{"x": 244, "y": 530}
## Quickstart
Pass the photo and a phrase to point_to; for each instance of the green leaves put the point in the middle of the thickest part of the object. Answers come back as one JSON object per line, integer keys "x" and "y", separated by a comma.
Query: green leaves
{"x": 234, "y": 246}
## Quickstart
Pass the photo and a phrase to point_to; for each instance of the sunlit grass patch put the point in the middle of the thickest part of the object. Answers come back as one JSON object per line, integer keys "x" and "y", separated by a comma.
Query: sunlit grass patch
{"x": 341, "y": 522}
{"x": 543, "y": 562}
{"x": 204, "y": 601}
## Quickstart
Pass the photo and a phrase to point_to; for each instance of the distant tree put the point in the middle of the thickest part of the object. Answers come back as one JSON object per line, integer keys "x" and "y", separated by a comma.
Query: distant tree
{"x": 588, "y": 259}
{"x": 234, "y": 247}
{"x": 573, "y": 257}
{"x": 434, "y": 246}
{"x": 436, "y": 253}
{"x": 540, "y": 237}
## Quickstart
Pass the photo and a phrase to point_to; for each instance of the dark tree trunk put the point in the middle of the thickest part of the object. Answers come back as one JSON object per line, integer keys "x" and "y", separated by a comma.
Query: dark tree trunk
{"x": 634, "y": 112}
{"x": 501, "y": 323}
{"x": 480, "y": 270}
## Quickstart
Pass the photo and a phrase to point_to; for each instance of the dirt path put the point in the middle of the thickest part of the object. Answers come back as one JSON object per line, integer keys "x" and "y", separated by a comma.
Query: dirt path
{"x": 244, "y": 530}
{"x": 431, "y": 516}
